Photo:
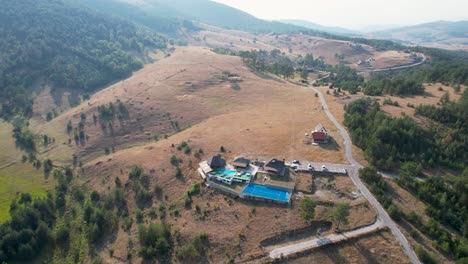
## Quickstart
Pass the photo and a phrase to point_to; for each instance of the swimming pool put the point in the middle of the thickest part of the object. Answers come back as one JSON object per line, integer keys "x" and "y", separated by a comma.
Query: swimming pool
{"x": 266, "y": 192}
{"x": 227, "y": 172}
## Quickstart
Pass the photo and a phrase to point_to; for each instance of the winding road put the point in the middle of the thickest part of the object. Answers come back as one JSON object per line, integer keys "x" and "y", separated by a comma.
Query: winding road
{"x": 397, "y": 67}
{"x": 321, "y": 241}
{"x": 382, "y": 214}
{"x": 383, "y": 219}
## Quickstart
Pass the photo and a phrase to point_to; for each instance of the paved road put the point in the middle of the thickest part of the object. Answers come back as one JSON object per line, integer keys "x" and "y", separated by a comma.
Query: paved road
{"x": 382, "y": 214}
{"x": 397, "y": 67}
{"x": 320, "y": 241}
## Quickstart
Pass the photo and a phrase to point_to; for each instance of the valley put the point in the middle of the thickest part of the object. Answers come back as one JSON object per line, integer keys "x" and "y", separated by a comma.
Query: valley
{"x": 192, "y": 138}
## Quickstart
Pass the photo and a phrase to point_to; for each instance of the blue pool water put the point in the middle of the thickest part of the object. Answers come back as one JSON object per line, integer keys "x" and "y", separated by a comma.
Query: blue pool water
{"x": 266, "y": 192}
{"x": 227, "y": 171}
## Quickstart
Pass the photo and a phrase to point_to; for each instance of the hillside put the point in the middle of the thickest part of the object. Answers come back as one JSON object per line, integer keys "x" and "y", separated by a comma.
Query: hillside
{"x": 57, "y": 44}
{"x": 318, "y": 27}
{"x": 443, "y": 34}
{"x": 162, "y": 99}
{"x": 213, "y": 13}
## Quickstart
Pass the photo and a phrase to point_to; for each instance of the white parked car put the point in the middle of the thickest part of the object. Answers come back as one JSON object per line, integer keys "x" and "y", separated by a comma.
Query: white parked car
{"x": 324, "y": 168}
{"x": 310, "y": 167}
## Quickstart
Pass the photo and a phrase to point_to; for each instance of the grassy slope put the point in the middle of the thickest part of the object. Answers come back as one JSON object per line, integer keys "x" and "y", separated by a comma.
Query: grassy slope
{"x": 15, "y": 176}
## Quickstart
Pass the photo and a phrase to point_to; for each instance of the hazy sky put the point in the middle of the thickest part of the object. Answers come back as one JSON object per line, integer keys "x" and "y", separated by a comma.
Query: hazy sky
{"x": 356, "y": 13}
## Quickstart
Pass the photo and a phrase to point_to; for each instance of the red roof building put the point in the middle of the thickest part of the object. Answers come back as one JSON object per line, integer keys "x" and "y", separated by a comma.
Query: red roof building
{"x": 319, "y": 137}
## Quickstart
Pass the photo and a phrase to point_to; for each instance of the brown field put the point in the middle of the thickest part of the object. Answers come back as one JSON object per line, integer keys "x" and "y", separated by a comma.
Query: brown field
{"x": 390, "y": 58}
{"x": 299, "y": 45}
{"x": 265, "y": 117}
{"x": 432, "y": 96}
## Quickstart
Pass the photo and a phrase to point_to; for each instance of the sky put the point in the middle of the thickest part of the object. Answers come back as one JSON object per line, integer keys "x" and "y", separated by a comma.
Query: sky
{"x": 356, "y": 14}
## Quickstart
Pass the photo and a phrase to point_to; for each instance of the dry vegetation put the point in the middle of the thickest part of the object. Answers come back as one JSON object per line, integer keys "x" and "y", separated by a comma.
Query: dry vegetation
{"x": 298, "y": 44}
{"x": 264, "y": 116}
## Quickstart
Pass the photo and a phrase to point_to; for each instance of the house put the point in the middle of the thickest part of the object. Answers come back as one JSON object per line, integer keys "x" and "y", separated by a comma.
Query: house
{"x": 320, "y": 134}
{"x": 319, "y": 137}
{"x": 275, "y": 166}
{"x": 216, "y": 162}
{"x": 320, "y": 128}
{"x": 309, "y": 68}
{"x": 241, "y": 163}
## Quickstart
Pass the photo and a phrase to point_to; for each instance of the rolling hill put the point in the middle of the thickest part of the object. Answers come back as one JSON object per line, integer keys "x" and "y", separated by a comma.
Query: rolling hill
{"x": 318, "y": 27}
{"x": 209, "y": 12}
{"x": 443, "y": 34}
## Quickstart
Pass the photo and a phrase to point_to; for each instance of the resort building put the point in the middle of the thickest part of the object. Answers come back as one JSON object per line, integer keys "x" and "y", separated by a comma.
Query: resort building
{"x": 221, "y": 176}
{"x": 229, "y": 176}
{"x": 240, "y": 163}
{"x": 275, "y": 166}
{"x": 216, "y": 162}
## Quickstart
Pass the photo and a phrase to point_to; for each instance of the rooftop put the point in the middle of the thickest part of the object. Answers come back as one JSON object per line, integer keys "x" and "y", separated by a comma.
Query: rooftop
{"x": 216, "y": 162}
{"x": 319, "y": 127}
{"x": 241, "y": 162}
{"x": 275, "y": 165}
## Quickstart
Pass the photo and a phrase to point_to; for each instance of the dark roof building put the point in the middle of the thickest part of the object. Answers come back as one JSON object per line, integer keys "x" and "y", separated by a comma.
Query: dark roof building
{"x": 216, "y": 162}
{"x": 275, "y": 166}
{"x": 241, "y": 162}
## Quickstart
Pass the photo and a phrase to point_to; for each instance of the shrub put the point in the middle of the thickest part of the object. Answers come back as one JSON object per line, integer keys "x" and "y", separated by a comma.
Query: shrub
{"x": 139, "y": 215}
{"x": 187, "y": 150}
{"x": 222, "y": 149}
{"x": 187, "y": 200}
{"x": 394, "y": 212}
{"x": 157, "y": 189}
{"x": 174, "y": 160}
{"x": 155, "y": 240}
{"x": 62, "y": 235}
{"x": 194, "y": 190}
{"x": 424, "y": 256}
{"x": 178, "y": 172}
{"x": 307, "y": 208}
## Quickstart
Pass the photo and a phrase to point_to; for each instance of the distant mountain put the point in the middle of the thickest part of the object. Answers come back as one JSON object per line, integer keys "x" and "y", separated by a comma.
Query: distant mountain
{"x": 318, "y": 27}
{"x": 208, "y": 12}
{"x": 439, "y": 32}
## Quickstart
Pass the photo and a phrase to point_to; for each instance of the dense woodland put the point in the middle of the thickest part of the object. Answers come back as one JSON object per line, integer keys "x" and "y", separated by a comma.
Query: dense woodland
{"x": 446, "y": 206}
{"x": 388, "y": 141}
{"x": 65, "y": 46}
{"x": 72, "y": 220}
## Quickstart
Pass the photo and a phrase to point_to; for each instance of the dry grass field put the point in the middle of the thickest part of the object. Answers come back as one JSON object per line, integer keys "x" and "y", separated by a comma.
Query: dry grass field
{"x": 266, "y": 117}
{"x": 390, "y": 58}
{"x": 296, "y": 45}
{"x": 186, "y": 96}
{"x": 188, "y": 88}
